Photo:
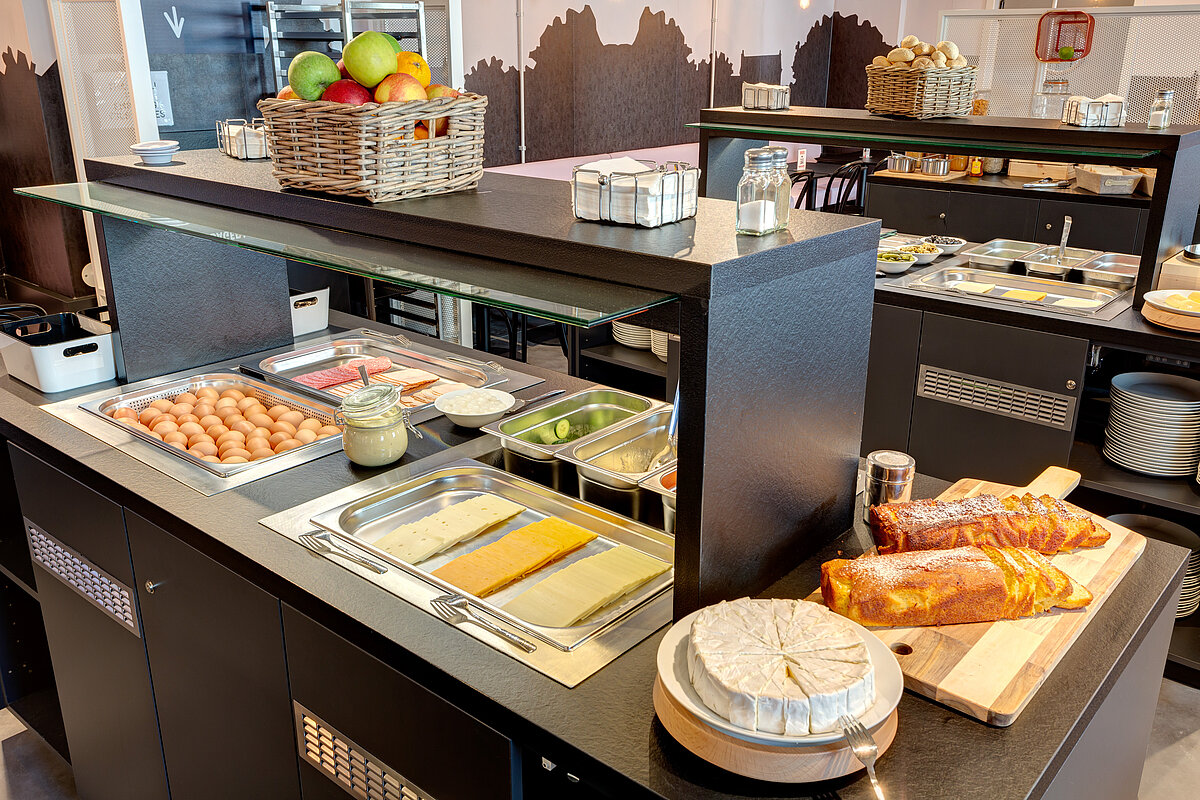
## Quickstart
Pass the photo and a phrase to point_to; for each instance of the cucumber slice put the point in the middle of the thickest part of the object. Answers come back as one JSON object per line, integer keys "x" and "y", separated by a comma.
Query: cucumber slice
{"x": 562, "y": 428}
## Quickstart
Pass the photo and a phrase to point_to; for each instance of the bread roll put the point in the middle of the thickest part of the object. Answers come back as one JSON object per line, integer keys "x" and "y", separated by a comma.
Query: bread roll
{"x": 949, "y": 48}
{"x": 922, "y": 63}
{"x": 939, "y": 58}
{"x": 909, "y": 41}
{"x": 961, "y": 61}
{"x": 923, "y": 48}
{"x": 880, "y": 61}
{"x": 900, "y": 64}
{"x": 901, "y": 54}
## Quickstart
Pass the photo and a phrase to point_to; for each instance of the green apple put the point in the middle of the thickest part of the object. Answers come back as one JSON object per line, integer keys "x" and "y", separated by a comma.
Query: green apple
{"x": 310, "y": 73}
{"x": 369, "y": 58}
{"x": 394, "y": 42}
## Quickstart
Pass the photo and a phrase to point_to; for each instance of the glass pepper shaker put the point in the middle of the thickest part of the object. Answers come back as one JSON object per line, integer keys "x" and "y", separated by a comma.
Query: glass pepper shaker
{"x": 783, "y": 198}
{"x": 1160, "y": 110}
{"x": 756, "y": 194}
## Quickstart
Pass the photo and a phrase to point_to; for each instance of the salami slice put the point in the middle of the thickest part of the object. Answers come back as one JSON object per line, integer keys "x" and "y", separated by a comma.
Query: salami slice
{"x": 345, "y": 373}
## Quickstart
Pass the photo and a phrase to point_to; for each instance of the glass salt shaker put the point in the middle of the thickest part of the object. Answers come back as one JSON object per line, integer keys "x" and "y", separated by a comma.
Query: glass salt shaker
{"x": 1160, "y": 111}
{"x": 756, "y": 194}
{"x": 783, "y": 181}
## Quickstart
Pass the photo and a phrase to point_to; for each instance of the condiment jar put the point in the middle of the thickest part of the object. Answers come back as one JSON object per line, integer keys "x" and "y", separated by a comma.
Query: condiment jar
{"x": 756, "y": 194}
{"x": 783, "y": 181}
{"x": 376, "y": 425}
{"x": 890, "y": 476}
{"x": 1160, "y": 110}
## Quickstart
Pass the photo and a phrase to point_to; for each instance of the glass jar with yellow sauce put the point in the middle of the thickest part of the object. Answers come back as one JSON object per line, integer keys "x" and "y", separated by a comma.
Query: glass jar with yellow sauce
{"x": 376, "y": 425}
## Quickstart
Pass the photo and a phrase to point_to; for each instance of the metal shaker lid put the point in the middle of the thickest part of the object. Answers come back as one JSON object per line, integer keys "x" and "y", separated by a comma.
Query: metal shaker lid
{"x": 891, "y": 466}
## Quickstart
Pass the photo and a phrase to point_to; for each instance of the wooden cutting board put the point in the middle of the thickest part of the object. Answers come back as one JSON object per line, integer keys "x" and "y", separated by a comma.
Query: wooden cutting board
{"x": 991, "y": 670}
{"x": 920, "y": 176}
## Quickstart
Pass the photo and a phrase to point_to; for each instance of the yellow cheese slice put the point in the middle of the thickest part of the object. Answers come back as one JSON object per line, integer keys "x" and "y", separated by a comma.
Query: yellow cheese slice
{"x": 493, "y": 566}
{"x": 579, "y": 590}
{"x": 1024, "y": 294}
{"x": 1076, "y": 302}
{"x": 1194, "y": 296}
{"x": 975, "y": 286}
{"x": 1181, "y": 302}
{"x": 441, "y": 530}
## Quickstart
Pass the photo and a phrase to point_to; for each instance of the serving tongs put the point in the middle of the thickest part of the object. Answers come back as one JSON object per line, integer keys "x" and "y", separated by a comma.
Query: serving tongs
{"x": 669, "y": 452}
{"x": 1062, "y": 245}
{"x": 1047, "y": 183}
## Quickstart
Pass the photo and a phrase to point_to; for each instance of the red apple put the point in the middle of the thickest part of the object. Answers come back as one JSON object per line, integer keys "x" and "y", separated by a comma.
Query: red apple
{"x": 347, "y": 91}
{"x": 286, "y": 93}
{"x": 399, "y": 88}
{"x": 435, "y": 91}
{"x": 341, "y": 65}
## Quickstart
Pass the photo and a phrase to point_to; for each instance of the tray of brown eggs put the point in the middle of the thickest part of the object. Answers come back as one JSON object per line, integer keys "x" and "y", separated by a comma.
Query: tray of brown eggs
{"x": 224, "y": 422}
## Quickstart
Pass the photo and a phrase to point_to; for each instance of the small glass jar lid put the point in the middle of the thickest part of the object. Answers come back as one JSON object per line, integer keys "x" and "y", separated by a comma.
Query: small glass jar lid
{"x": 759, "y": 158}
{"x": 370, "y": 401}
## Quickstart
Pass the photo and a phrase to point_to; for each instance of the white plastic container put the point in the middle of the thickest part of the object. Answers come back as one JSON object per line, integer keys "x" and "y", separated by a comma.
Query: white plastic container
{"x": 310, "y": 311}
{"x": 56, "y": 353}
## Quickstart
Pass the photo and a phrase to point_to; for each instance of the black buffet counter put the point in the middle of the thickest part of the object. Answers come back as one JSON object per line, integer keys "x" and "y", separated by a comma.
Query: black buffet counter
{"x": 601, "y": 738}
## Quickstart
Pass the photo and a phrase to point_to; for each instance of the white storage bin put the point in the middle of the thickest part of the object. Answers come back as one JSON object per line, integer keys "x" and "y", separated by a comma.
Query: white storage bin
{"x": 310, "y": 311}
{"x": 56, "y": 353}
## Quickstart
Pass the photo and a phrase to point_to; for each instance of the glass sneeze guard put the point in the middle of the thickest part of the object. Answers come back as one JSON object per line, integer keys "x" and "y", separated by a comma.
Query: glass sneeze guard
{"x": 555, "y": 296}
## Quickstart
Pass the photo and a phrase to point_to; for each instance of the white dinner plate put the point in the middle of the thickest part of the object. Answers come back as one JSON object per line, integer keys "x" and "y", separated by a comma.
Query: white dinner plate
{"x": 1185, "y": 463}
{"x": 1148, "y": 469}
{"x": 673, "y": 670}
{"x": 1158, "y": 299}
{"x": 1159, "y": 387}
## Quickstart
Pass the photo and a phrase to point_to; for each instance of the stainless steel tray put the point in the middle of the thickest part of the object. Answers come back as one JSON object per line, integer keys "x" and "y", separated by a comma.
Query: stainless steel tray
{"x": 1045, "y": 260}
{"x": 621, "y": 456}
{"x": 364, "y": 343}
{"x": 999, "y": 253}
{"x": 654, "y": 482}
{"x": 530, "y": 434}
{"x": 1115, "y": 270}
{"x": 362, "y": 522}
{"x": 270, "y": 395}
{"x": 946, "y": 280}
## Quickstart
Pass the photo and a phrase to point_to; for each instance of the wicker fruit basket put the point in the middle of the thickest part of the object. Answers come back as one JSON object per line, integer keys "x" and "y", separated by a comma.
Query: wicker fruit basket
{"x": 371, "y": 151}
{"x": 920, "y": 93}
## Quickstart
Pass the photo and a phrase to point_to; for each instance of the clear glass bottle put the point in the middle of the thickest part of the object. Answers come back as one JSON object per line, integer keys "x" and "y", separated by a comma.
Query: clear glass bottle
{"x": 1160, "y": 110}
{"x": 756, "y": 194}
{"x": 783, "y": 181}
{"x": 376, "y": 425}
{"x": 1048, "y": 103}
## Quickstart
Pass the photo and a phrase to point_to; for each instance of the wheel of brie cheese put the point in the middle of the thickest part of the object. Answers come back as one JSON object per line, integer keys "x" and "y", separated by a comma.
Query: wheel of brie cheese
{"x": 779, "y": 666}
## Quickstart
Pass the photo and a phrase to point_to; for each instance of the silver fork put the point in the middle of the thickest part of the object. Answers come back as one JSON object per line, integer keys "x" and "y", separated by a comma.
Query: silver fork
{"x": 324, "y": 543}
{"x": 863, "y": 747}
{"x": 455, "y": 609}
{"x": 495, "y": 367}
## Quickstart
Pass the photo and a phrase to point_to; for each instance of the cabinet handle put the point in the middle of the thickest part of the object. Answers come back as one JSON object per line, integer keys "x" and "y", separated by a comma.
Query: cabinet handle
{"x": 151, "y": 586}
{"x": 1049, "y": 225}
{"x": 942, "y": 215}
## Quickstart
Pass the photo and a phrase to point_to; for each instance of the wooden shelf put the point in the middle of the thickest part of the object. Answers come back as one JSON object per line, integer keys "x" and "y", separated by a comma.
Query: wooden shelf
{"x": 1183, "y": 654}
{"x": 1181, "y": 494}
{"x": 628, "y": 357}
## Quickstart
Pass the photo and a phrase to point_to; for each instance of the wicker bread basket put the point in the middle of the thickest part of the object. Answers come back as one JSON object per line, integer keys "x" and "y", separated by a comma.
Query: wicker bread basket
{"x": 920, "y": 93}
{"x": 370, "y": 151}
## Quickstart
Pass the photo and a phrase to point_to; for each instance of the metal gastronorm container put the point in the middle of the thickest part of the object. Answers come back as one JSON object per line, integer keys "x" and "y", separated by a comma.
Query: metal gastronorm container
{"x": 654, "y": 483}
{"x": 1045, "y": 261}
{"x": 364, "y": 521}
{"x": 268, "y": 394}
{"x": 621, "y": 456}
{"x": 1115, "y": 270}
{"x": 946, "y": 279}
{"x": 529, "y": 434}
{"x": 999, "y": 253}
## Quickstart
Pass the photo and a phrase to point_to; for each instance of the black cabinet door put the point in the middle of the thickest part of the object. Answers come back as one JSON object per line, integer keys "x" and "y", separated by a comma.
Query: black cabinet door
{"x": 979, "y": 217}
{"x": 355, "y": 701}
{"x": 1099, "y": 227}
{"x": 908, "y": 209}
{"x": 14, "y": 551}
{"x": 891, "y": 378}
{"x": 215, "y": 644}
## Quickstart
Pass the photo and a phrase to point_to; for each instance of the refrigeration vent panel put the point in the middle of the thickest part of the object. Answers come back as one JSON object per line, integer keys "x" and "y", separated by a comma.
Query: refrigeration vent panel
{"x": 89, "y": 581}
{"x": 359, "y": 773}
{"x": 996, "y": 397}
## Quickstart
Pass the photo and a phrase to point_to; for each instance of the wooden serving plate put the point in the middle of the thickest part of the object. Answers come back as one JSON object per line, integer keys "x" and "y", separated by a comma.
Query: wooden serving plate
{"x": 764, "y": 762}
{"x": 1169, "y": 319}
{"x": 991, "y": 670}
{"x": 920, "y": 176}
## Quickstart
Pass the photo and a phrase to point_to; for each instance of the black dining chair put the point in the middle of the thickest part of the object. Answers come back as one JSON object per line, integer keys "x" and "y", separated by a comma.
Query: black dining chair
{"x": 806, "y": 200}
{"x": 849, "y": 178}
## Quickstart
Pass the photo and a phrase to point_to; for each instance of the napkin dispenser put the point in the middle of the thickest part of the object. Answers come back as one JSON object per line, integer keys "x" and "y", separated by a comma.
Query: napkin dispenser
{"x": 1107, "y": 111}
{"x": 632, "y": 192}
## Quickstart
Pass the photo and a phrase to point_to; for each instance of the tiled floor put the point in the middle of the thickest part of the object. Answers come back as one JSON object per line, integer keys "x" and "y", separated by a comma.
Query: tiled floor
{"x": 29, "y": 770}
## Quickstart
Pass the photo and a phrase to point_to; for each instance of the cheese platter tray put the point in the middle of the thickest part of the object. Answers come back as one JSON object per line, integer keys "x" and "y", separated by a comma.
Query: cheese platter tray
{"x": 1047, "y": 294}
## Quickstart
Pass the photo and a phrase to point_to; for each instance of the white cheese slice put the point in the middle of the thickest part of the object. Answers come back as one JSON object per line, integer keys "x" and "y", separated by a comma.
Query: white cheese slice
{"x": 416, "y": 541}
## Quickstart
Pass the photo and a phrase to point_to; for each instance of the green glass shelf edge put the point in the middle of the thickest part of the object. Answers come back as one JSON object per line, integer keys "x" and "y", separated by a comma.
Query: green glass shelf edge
{"x": 583, "y": 302}
{"x": 921, "y": 142}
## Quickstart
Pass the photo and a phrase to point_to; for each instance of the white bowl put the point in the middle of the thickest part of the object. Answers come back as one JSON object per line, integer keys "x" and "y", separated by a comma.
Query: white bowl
{"x": 158, "y": 159}
{"x": 160, "y": 146}
{"x": 475, "y": 420}
{"x": 894, "y": 267}
{"x": 922, "y": 258}
{"x": 948, "y": 249}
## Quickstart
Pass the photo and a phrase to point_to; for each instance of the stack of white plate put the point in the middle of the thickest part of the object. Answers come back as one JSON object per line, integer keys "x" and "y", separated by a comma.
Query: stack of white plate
{"x": 658, "y": 344}
{"x": 156, "y": 153}
{"x": 634, "y": 336}
{"x": 1154, "y": 424}
{"x": 1167, "y": 531}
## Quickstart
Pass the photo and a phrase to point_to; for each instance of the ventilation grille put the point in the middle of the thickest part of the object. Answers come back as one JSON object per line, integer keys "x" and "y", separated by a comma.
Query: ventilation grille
{"x": 996, "y": 397}
{"x": 342, "y": 761}
{"x": 89, "y": 581}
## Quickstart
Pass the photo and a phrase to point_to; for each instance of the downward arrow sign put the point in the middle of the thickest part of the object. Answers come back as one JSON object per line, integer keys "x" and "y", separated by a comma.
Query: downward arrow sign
{"x": 175, "y": 21}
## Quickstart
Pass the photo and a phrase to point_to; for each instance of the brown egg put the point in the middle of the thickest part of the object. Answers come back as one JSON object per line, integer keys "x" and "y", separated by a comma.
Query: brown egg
{"x": 204, "y": 448}
{"x": 235, "y": 394}
{"x": 148, "y": 415}
{"x": 232, "y": 419}
{"x": 163, "y": 426}
{"x": 191, "y": 428}
{"x": 226, "y": 401}
{"x": 309, "y": 424}
{"x": 199, "y": 438}
{"x": 111, "y": 412}
{"x": 131, "y": 421}
{"x": 236, "y": 452}
{"x": 186, "y": 397}
{"x": 261, "y": 420}
{"x": 287, "y": 444}
{"x": 153, "y": 435}
{"x": 176, "y": 437}
{"x": 162, "y": 405}
{"x": 203, "y": 409}
{"x": 276, "y": 438}
{"x": 182, "y": 418}
{"x": 125, "y": 413}
{"x": 274, "y": 411}
{"x": 235, "y": 460}
{"x": 260, "y": 433}
{"x": 292, "y": 417}
{"x": 230, "y": 436}
{"x": 306, "y": 435}
{"x": 176, "y": 443}
{"x": 207, "y": 391}
{"x": 283, "y": 427}
{"x": 222, "y": 449}
{"x": 209, "y": 420}
{"x": 257, "y": 408}
{"x": 243, "y": 427}
{"x": 226, "y": 411}
{"x": 213, "y": 459}
{"x": 245, "y": 403}
{"x": 330, "y": 430}
{"x": 261, "y": 453}
{"x": 215, "y": 431}
{"x": 257, "y": 442}
{"x": 322, "y": 435}
{"x": 179, "y": 409}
